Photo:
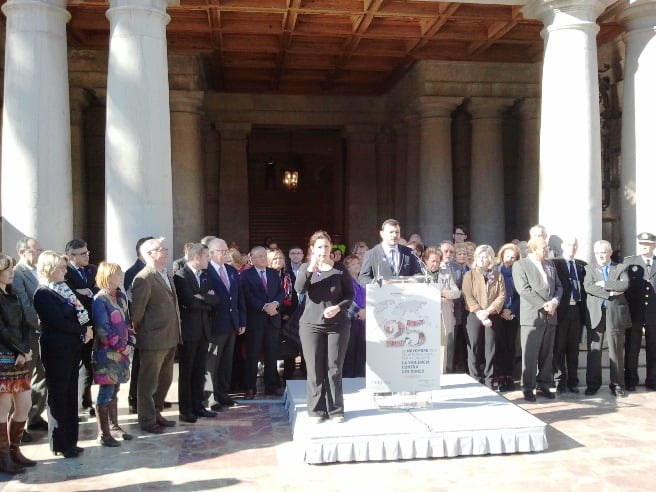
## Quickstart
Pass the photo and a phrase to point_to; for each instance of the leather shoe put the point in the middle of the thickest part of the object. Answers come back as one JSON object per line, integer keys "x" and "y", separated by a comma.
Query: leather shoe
{"x": 276, "y": 392}
{"x": 202, "y": 412}
{"x": 546, "y": 392}
{"x": 27, "y": 437}
{"x": 649, "y": 387}
{"x": 69, "y": 453}
{"x": 217, "y": 407}
{"x": 249, "y": 395}
{"x": 41, "y": 425}
{"x": 617, "y": 390}
{"x": 529, "y": 396}
{"x": 189, "y": 418}
{"x": 167, "y": 404}
{"x": 154, "y": 428}
{"x": 227, "y": 402}
{"x": 630, "y": 387}
{"x": 590, "y": 391}
{"x": 573, "y": 389}
{"x": 161, "y": 421}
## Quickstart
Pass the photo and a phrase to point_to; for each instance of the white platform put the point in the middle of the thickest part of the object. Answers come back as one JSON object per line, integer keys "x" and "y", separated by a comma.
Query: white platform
{"x": 465, "y": 419}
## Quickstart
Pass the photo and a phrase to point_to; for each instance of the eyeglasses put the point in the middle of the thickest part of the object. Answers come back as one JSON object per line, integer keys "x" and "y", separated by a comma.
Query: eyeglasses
{"x": 159, "y": 250}
{"x": 81, "y": 253}
{"x": 222, "y": 251}
{"x": 295, "y": 252}
{"x": 459, "y": 234}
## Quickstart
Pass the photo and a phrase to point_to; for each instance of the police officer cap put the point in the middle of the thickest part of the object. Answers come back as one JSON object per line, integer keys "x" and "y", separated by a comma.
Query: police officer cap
{"x": 646, "y": 237}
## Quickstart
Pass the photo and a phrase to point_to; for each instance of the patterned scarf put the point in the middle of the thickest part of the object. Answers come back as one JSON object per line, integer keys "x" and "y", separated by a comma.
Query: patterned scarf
{"x": 65, "y": 291}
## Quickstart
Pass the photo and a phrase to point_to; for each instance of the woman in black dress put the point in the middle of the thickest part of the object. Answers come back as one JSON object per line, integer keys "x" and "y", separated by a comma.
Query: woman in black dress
{"x": 324, "y": 327}
{"x": 65, "y": 328}
{"x": 15, "y": 372}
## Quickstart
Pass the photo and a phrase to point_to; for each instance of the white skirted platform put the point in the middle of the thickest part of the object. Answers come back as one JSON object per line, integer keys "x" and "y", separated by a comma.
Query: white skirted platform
{"x": 464, "y": 419}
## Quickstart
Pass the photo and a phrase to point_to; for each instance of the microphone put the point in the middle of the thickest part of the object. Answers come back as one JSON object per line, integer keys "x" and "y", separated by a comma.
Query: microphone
{"x": 379, "y": 277}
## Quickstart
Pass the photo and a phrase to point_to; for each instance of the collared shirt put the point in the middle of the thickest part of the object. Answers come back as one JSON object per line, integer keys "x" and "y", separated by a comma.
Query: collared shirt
{"x": 196, "y": 273}
{"x": 540, "y": 267}
{"x": 165, "y": 276}
{"x": 32, "y": 269}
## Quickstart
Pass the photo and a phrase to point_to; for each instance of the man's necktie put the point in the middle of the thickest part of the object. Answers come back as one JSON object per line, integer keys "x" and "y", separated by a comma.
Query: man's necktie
{"x": 198, "y": 273}
{"x": 604, "y": 270}
{"x": 263, "y": 279}
{"x": 394, "y": 254}
{"x": 648, "y": 269}
{"x": 224, "y": 278}
{"x": 574, "y": 280}
{"x": 83, "y": 275}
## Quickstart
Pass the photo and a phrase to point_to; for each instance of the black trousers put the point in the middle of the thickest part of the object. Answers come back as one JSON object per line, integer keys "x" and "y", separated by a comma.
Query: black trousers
{"x": 481, "y": 348}
{"x": 632, "y": 353}
{"x": 191, "y": 377}
{"x": 264, "y": 340}
{"x": 506, "y": 335}
{"x": 218, "y": 367}
{"x": 566, "y": 347}
{"x": 62, "y": 368}
{"x": 134, "y": 378}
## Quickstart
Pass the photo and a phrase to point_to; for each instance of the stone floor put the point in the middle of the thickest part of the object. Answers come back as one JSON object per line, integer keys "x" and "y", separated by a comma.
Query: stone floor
{"x": 595, "y": 443}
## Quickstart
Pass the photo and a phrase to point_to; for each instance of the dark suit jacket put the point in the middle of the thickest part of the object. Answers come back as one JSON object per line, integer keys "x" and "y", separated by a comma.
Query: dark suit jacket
{"x": 154, "y": 311}
{"x": 562, "y": 269}
{"x": 533, "y": 292}
{"x": 130, "y": 273}
{"x": 61, "y": 332}
{"x": 230, "y": 313}
{"x": 617, "y": 309}
{"x": 375, "y": 263}
{"x": 75, "y": 282}
{"x": 24, "y": 285}
{"x": 641, "y": 295}
{"x": 196, "y": 304}
{"x": 256, "y": 297}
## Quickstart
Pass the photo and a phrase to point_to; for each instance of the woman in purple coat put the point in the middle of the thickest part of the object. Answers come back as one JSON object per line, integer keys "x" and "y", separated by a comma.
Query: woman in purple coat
{"x": 356, "y": 353}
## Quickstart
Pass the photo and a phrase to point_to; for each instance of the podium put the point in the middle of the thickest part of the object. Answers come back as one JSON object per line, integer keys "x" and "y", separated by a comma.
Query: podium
{"x": 403, "y": 340}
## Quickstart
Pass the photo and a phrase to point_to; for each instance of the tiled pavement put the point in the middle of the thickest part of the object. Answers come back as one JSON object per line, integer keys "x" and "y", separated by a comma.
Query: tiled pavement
{"x": 595, "y": 444}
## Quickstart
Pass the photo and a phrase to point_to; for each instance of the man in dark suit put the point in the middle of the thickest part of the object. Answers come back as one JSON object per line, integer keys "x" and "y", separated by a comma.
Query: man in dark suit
{"x": 156, "y": 321}
{"x": 24, "y": 285}
{"x": 196, "y": 299}
{"x": 572, "y": 315}
{"x": 605, "y": 284}
{"x": 388, "y": 258}
{"x": 264, "y": 295}
{"x": 81, "y": 278}
{"x": 228, "y": 322}
{"x": 180, "y": 262}
{"x": 539, "y": 292}
{"x": 641, "y": 297}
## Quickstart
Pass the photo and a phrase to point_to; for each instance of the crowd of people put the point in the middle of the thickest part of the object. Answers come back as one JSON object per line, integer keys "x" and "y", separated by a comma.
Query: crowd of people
{"x": 227, "y": 317}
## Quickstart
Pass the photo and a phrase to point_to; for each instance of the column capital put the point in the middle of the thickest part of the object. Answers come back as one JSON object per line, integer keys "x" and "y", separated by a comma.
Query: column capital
{"x": 233, "y": 130}
{"x": 638, "y": 14}
{"x": 559, "y": 14}
{"x": 488, "y": 107}
{"x": 57, "y": 7}
{"x": 437, "y": 106}
{"x": 527, "y": 109}
{"x": 186, "y": 101}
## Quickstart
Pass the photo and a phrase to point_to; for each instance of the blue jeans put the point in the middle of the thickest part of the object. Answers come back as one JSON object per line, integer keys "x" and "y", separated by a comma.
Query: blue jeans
{"x": 106, "y": 392}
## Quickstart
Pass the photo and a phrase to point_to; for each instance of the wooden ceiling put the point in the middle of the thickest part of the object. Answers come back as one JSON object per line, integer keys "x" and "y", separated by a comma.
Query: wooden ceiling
{"x": 329, "y": 46}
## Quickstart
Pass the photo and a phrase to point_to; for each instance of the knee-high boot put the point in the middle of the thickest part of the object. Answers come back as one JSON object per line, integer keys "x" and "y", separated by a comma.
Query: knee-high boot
{"x": 104, "y": 435}
{"x": 113, "y": 419}
{"x": 7, "y": 465}
{"x": 16, "y": 430}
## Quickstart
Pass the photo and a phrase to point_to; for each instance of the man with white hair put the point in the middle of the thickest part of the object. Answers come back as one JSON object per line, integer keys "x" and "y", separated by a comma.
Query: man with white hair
{"x": 156, "y": 321}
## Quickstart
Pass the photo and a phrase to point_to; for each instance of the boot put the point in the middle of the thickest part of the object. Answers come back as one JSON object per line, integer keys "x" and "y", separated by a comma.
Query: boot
{"x": 113, "y": 419}
{"x": 15, "y": 435}
{"x": 104, "y": 435}
{"x": 7, "y": 465}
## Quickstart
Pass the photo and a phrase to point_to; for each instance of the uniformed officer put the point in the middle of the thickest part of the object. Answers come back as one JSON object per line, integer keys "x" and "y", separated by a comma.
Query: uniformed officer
{"x": 642, "y": 304}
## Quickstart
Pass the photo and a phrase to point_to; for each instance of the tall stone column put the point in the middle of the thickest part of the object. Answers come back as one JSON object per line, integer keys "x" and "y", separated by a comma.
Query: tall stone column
{"x": 362, "y": 220}
{"x": 638, "y": 110}
{"x": 400, "y": 172}
{"x": 487, "y": 197}
{"x": 138, "y": 180}
{"x": 385, "y": 153}
{"x": 187, "y": 168}
{"x": 233, "y": 184}
{"x": 570, "y": 141}
{"x": 435, "y": 198}
{"x": 412, "y": 175}
{"x": 79, "y": 102}
{"x": 36, "y": 139}
{"x": 529, "y": 165}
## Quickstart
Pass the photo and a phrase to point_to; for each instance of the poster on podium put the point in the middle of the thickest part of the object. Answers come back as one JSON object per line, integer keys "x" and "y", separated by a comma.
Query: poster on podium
{"x": 403, "y": 337}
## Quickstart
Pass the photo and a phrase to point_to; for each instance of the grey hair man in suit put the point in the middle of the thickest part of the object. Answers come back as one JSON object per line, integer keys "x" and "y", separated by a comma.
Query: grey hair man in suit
{"x": 605, "y": 282}
{"x": 24, "y": 285}
{"x": 539, "y": 292}
{"x": 156, "y": 321}
{"x": 641, "y": 297}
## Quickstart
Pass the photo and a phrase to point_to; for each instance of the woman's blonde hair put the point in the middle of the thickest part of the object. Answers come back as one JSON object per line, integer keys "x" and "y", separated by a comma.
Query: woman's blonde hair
{"x": 487, "y": 249}
{"x": 271, "y": 255}
{"x": 106, "y": 270}
{"x": 48, "y": 262}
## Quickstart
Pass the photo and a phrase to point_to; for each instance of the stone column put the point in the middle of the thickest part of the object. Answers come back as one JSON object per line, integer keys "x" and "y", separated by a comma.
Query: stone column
{"x": 638, "y": 110}
{"x": 487, "y": 198}
{"x": 435, "y": 197}
{"x": 233, "y": 184}
{"x": 400, "y": 172}
{"x": 36, "y": 139}
{"x": 529, "y": 165}
{"x": 187, "y": 168}
{"x": 79, "y": 101}
{"x": 385, "y": 154}
{"x": 570, "y": 141}
{"x": 412, "y": 175}
{"x": 138, "y": 180}
{"x": 362, "y": 218}
{"x": 211, "y": 157}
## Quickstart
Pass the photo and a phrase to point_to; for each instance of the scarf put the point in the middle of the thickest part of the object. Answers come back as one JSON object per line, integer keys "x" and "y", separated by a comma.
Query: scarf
{"x": 65, "y": 291}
